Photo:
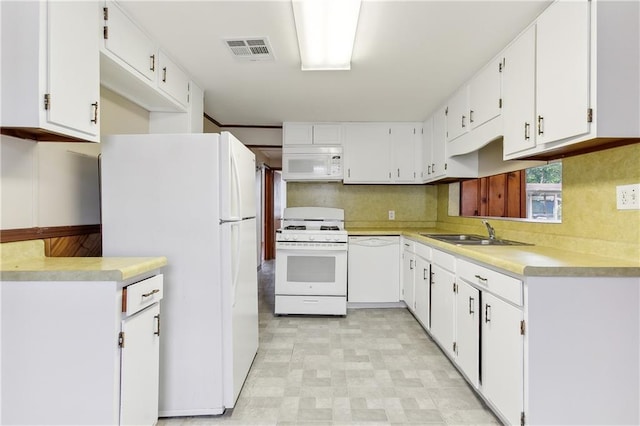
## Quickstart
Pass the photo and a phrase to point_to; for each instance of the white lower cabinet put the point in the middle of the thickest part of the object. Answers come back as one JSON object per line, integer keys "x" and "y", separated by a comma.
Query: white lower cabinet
{"x": 538, "y": 349}
{"x": 422, "y": 285}
{"x": 80, "y": 352}
{"x": 467, "y": 343}
{"x": 139, "y": 367}
{"x": 442, "y": 306}
{"x": 408, "y": 274}
{"x": 502, "y": 357}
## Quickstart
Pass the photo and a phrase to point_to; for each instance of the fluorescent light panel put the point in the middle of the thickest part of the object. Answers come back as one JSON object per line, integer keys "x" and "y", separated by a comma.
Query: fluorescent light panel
{"x": 326, "y": 32}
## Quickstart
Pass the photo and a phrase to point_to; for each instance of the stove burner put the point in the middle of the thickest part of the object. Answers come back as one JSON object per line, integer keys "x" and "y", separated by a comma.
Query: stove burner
{"x": 295, "y": 227}
{"x": 329, "y": 228}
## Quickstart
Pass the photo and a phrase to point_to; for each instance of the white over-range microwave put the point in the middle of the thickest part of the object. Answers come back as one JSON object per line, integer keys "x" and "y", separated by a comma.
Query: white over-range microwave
{"x": 319, "y": 163}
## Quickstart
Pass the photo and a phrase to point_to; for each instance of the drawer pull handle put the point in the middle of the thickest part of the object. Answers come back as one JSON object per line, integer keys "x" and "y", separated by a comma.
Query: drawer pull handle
{"x": 151, "y": 293}
{"x": 310, "y": 301}
{"x": 157, "y": 318}
{"x": 483, "y": 279}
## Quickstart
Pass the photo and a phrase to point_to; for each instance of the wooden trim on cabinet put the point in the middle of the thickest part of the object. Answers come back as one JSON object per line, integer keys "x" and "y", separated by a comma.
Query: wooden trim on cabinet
{"x": 26, "y": 234}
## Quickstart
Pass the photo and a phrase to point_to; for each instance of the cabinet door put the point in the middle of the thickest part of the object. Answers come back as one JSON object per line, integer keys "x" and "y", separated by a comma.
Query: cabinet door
{"x": 172, "y": 80}
{"x": 128, "y": 42}
{"x": 327, "y": 134}
{"x": 403, "y": 147}
{"x": 427, "y": 146}
{"x": 408, "y": 269}
{"x": 518, "y": 84}
{"x": 458, "y": 114}
{"x": 468, "y": 331}
{"x": 140, "y": 367}
{"x": 562, "y": 69}
{"x": 298, "y": 134}
{"x": 502, "y": 357}
{"x": 484, "y": 94}
{"x": 442, "y": 303}
{"x": 439, "y": 146}
{"x": 74, "y": 65}
{"x": 421, "y": 290}
{"x": 366, "y": 153}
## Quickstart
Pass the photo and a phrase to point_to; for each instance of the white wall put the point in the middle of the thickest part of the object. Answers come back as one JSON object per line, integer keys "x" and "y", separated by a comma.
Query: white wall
{"x": 18, "y": 188}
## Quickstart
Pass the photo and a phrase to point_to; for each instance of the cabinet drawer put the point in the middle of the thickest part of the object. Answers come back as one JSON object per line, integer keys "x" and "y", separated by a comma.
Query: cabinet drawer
{"x": 408, "y": 245}
{"x": 423, "y": 251}
{"x": 444, "y": 260}
{"x": 312, "y": 305}
{"x": 507, "y": 287}
{"x": 142, "y": 294}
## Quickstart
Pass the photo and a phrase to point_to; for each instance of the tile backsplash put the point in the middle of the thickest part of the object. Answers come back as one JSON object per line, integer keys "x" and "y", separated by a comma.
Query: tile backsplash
{"x": 369, "y": 205}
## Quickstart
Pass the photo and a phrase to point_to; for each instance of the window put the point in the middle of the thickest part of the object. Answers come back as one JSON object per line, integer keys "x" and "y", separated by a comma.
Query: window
{"x": 534, "y": 194}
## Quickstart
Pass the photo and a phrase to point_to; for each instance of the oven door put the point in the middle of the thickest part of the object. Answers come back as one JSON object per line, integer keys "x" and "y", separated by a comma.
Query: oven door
{"x": 311, "y": 270}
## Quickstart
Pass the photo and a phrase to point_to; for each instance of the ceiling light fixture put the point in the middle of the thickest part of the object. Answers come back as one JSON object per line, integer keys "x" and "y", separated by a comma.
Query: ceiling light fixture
{"x": 326, "y": 32}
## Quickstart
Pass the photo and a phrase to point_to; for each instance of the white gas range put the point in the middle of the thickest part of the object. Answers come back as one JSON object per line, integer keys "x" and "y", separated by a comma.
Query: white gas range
{"x": 311, "y": 262}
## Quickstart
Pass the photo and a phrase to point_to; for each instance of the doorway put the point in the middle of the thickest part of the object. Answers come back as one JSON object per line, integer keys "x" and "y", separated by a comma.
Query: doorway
{"x": 273, "y": 203}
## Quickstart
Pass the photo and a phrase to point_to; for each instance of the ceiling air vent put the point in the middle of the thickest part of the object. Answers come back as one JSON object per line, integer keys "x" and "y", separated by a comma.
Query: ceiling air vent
{"x": 250, "y": 49}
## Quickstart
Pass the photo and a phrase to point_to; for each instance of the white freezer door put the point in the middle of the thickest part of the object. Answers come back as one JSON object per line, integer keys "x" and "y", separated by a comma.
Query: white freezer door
{"x": 237, "y": 179}
{"x": 240, "y": 304}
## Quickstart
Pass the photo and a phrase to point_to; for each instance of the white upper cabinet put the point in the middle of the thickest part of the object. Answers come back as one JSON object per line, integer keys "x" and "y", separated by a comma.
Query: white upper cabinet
{"x": 172, "y": 80}
{"x": 562, "y": 71}
{"x": 405, "y": 141}
{"x": 51, "y": 78}
{"x": 366, "y": 153}
{"x": 442, "y": 165}
{"x": 312, "y": 133}
{"x": 571, "y": 80}
{"x": 458, "y": 114}
{"x": 518, "y": 82}
{"x": 485, "y": 101}
{"x": 134, "y": 66}
{"x": 381, "y": 152}
{"x": 127, "y": 41}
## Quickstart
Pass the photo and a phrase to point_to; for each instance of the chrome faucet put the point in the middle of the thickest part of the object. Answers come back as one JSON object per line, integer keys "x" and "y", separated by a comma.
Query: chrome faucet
{"x": 492, "y": 232}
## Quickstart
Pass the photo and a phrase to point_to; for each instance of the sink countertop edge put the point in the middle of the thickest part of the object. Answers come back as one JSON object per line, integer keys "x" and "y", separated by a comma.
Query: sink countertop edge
{"x": 529, "y": 260}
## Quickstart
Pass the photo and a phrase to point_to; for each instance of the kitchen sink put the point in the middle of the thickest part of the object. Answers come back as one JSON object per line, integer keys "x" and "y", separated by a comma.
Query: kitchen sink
{"x": 473, "y": 240}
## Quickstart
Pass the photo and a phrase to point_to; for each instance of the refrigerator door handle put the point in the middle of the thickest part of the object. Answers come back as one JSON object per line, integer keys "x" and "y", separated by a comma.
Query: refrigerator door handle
{"x": 238, "y": 190}
{"x": 235, "y": 236}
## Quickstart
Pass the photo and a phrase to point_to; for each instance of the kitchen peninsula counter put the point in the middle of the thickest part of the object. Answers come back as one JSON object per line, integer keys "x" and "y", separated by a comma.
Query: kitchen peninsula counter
{"x": 534, "y": 260}
{"x": 25, "y": 261}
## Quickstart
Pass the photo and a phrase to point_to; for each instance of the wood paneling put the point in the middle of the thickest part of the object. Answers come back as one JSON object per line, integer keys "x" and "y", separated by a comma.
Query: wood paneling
{"x": 502, "y": 195}
{"x": 61, "y": 241}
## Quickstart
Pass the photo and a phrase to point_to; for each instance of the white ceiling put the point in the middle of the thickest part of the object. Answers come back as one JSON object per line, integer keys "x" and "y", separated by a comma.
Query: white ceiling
{"x": 409, "y": 56}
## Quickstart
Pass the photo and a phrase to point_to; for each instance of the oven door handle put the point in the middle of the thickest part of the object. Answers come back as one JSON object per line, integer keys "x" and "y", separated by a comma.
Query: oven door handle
{"x": 315, "y": 250}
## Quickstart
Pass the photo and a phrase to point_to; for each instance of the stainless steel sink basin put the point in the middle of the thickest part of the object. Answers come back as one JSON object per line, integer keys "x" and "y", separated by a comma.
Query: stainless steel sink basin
{"x": 473, "y": 240}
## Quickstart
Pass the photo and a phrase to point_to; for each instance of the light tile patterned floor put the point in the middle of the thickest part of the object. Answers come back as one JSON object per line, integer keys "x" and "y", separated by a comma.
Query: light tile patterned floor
{"x": 375, "y": 366}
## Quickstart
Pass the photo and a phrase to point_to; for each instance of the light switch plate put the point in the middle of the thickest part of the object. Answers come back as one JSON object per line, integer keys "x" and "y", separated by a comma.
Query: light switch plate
{"x": 628, "y": 197}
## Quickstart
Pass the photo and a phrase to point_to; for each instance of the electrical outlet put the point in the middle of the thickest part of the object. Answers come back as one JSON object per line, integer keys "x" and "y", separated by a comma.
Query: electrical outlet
{"x": 628, "y": 197}
{"x": 392, "y": 215}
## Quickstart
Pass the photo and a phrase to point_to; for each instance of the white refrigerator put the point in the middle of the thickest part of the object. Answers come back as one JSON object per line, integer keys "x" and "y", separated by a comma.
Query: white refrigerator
{"x": 191, "y": 198}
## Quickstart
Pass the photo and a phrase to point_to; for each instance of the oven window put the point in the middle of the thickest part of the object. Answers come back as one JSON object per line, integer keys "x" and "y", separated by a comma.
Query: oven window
{"x": 311, "y": 269}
